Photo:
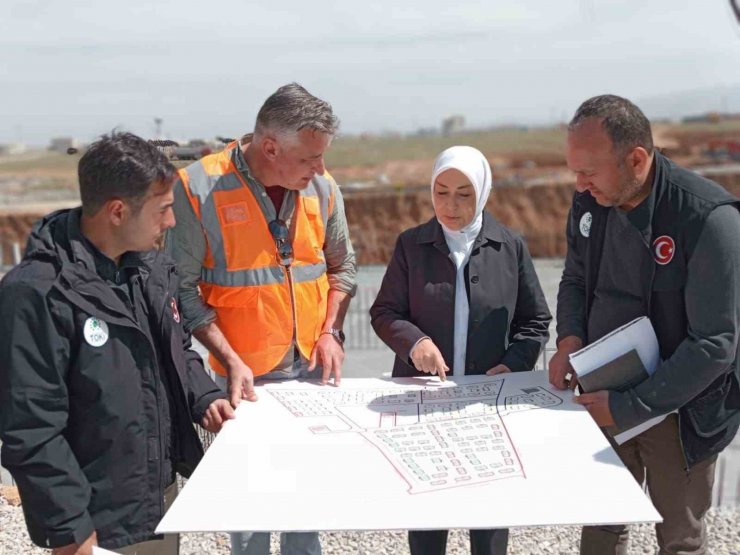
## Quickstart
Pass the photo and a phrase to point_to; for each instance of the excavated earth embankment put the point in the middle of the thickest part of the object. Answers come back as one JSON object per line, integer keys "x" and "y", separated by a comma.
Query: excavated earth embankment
{"x": 376, "y": 218}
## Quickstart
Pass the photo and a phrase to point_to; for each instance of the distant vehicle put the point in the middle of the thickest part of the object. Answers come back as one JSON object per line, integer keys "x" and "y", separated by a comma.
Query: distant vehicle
{"x": 193, "y": 150}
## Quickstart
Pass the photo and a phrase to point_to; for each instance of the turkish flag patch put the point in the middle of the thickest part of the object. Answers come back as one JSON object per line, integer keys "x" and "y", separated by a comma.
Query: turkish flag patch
{"x": 664, "y": 247}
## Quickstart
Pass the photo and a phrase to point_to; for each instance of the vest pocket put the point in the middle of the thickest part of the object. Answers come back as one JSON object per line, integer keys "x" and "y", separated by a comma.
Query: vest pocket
{"x": 710, "y": 412}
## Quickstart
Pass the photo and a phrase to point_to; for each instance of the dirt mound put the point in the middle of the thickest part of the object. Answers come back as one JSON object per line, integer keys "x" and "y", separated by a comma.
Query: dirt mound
{"x": 376, "y": 218}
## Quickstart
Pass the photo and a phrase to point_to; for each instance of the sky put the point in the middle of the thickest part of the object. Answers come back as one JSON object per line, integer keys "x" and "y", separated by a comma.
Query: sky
{"x": 82, "y": 67}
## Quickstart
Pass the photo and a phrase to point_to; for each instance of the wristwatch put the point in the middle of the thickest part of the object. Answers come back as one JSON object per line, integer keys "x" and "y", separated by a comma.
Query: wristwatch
{"x": 336, "y": 334}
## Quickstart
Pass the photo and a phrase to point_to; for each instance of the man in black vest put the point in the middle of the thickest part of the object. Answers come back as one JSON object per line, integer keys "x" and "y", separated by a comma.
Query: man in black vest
{"x": 648, "y": 238}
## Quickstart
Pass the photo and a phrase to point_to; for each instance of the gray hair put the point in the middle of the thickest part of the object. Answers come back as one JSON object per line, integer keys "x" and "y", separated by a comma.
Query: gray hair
{"x": 624, "y": 123}
{"x": 292, "y": 108}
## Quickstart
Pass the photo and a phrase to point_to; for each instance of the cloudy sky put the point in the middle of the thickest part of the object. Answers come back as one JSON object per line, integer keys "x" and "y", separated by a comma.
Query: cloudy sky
{"x": 81, "y": 67}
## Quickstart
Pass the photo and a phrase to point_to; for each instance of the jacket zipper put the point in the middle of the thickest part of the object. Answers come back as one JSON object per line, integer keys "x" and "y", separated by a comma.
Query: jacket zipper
{"x": 156, "y": 399}
{"x": 162, "y": 446}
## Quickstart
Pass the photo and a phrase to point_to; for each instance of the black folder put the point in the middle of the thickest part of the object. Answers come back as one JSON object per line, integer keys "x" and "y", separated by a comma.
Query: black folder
{"x": 622, "y": 373}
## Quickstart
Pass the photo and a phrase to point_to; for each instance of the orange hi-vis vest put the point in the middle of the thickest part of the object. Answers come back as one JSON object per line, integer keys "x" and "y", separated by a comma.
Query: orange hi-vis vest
{"x": 259, "y": 303}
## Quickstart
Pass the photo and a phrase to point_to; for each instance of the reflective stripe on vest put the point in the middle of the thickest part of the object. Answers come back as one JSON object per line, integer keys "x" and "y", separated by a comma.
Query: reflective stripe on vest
{"x": 241, "y": 278}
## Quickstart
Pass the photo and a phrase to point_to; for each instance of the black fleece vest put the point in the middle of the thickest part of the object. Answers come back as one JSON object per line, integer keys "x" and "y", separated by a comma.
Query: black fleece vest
{"x": 683, "y": 201}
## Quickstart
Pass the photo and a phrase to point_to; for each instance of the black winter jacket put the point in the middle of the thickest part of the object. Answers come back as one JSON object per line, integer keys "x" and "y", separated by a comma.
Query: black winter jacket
{"x": 76, "y": 373}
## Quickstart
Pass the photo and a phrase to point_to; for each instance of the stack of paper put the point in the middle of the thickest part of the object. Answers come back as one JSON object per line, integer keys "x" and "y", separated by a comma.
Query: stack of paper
{"x": 619, "y": 361}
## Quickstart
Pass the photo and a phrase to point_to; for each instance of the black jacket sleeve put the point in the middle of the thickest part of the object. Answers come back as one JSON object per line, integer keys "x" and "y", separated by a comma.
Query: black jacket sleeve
{"x": 34, "y": 407}
{"x": 571, "y": 309}
{"x": 200, "y": 389}
{"x": 528, "y": 332}
{"x": 712, "y": 296}
{"x": 390, "y": 314}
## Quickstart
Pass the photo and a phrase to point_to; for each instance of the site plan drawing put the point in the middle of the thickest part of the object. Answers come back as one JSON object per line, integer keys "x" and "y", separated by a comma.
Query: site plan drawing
{"x": 435, "y": 438}
{"x": 471, "y": 452}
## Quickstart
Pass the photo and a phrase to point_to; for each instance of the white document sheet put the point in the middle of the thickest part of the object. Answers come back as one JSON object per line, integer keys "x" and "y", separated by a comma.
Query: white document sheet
{"x": 637, "y": 334}
{"x": 373, "y": 454}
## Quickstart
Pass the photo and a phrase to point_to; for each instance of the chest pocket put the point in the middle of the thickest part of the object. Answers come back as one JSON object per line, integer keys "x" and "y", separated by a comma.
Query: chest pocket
{"x": 314, "y": 228}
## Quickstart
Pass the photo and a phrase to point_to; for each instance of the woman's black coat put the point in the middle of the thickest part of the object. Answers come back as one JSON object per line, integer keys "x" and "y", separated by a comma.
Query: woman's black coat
{"x": 508, "y": 319}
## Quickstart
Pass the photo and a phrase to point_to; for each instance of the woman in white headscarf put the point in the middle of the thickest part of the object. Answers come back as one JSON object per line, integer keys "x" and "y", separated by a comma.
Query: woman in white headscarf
{"x": 460, "y": 296}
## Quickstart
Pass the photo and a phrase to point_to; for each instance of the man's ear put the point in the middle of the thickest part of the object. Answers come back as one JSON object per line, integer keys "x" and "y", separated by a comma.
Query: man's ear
{"x": 116, "y": 210}
{"x": 638, "y": 160}
{"x": 270, "y": 148}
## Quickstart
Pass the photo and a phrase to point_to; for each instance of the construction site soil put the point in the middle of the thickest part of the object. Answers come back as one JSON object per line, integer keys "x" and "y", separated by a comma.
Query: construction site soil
{"x": 384, "y": 183}
{"x": 377, "y": 217}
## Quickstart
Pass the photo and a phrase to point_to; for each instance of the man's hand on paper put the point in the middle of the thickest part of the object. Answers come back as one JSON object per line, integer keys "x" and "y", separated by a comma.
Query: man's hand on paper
{"x": 426, "y": 357}
{"x": 597, "y": 404}
{"x": 217, "y": 413}
{"x": 330, "y": 354}
{"x": 498, "y": 369}
{"x": 560, "y": 366}
{"x": 84, "y": 548}
{"x": 241, "y": 382}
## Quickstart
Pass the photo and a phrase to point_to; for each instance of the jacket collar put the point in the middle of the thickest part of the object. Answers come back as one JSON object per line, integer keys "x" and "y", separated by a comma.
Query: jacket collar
{"x": 84, "y": 252}
{"x": 492, "y": 230}
{"x": 79, "y": 278}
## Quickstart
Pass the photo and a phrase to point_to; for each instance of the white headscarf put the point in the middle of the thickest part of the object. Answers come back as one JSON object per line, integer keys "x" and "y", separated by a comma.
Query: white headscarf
{"x": 471, "y": 162}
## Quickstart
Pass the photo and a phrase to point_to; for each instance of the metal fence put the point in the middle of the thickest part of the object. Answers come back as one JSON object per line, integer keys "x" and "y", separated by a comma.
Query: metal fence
{"x": 361, "y": 336}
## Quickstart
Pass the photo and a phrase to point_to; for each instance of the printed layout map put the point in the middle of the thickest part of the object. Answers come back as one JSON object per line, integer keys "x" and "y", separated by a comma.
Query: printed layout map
{"x": 435, "y": 438}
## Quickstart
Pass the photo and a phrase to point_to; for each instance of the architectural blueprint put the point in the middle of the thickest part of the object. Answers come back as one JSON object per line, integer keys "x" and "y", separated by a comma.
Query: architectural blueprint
{"x": 435, "y": 438}
{"x": 373, "y": 454}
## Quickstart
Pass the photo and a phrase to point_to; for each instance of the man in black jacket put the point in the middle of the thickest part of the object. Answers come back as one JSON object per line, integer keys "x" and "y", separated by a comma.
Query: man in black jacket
{"x": 99, "y": 388}
{"x": 648, "y": 238}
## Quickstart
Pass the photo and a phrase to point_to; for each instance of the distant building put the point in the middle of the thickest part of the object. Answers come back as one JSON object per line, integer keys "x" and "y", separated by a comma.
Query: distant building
{"x": 63, "y": 144}
{"x": 11, "y": 149}
{"x": 453, "y": 124}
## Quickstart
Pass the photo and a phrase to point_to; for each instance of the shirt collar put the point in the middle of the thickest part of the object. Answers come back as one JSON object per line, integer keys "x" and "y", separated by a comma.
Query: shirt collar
{"x": 237, "y": 158}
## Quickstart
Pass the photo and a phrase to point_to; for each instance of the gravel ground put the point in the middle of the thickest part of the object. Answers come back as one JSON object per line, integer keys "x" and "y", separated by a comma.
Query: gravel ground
{"x": 723, "y": 528}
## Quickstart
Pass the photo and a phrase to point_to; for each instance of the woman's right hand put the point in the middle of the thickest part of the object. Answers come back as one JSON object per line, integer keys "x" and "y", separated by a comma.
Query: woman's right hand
{"x": 426, "y": 357}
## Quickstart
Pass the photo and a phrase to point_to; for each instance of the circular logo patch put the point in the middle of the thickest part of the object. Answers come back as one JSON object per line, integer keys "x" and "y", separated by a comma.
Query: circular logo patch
{"x": 664, "y": 248}
{"x": 585, "y": 224}
{"x": 95, "y": 332}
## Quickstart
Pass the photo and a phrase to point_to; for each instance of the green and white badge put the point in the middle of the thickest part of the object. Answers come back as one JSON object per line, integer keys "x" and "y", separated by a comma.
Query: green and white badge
{"x": 95, "y": 332}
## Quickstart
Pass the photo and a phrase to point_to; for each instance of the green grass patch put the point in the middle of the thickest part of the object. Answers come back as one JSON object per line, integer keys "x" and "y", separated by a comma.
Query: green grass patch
{"x": 374, "y": 150}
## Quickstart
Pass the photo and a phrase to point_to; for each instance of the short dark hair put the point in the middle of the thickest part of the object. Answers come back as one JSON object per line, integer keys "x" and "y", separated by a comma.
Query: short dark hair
{"x": 120, "y": 165}
{"x": 624, "y": 123}
{"x": 292, "y": 108}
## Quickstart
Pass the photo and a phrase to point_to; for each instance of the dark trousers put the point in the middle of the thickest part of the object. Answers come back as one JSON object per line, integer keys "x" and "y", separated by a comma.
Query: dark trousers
{"x": 482, "y": 542}
{"x": 682, "y": 498}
